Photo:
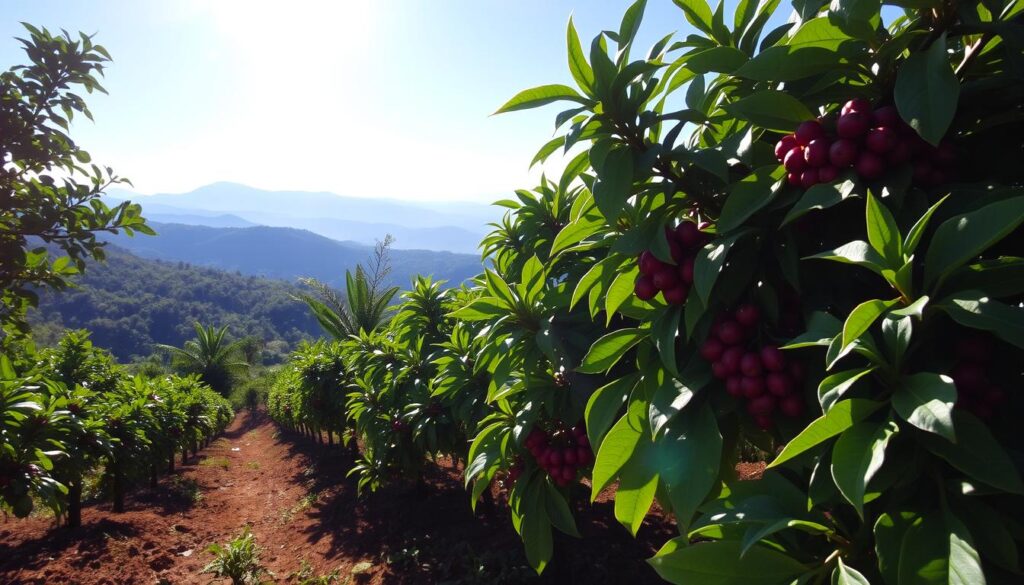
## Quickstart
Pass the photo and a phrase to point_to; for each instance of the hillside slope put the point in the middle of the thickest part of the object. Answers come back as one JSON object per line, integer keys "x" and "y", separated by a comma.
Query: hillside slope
{"x": 130, "y": 303}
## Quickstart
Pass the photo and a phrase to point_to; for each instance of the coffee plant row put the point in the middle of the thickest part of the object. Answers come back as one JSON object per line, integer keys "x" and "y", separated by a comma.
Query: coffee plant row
{"x": 800, "y": 237}
{"x": 70, "y": 413}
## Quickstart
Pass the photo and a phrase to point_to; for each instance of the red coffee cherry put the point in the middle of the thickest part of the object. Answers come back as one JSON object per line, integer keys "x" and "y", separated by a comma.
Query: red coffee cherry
{"x": 688, "y": 234}
{"x": 816, "y": 153}
{"x": 752, "y": 386}
{"x": 856, "y": 105}
{"x": 665, "y": 278}
{"x": 747, "y": 315}
{"x": 794, "y": 161}
{"x": 731, "y": 358}
{"x": 712, "y": 349}
{"x": 843, "y": 153}
{"x": 853, "y": 125}
{"x": 761, "y": 405}
{"x": 881, "y": 140}
{"x": 809, "y": 178}
{"x": 773, "y": 359}
{"x": 731, "y": 332}
{"x": 808, "y": 132}
{"x": 827, "y": 174}
{"x": 649, "y": 264}
{"x": 784, "y": 145}
{"x": 778, "y": 384}
{"x": 676, "y": 295}
{"x": 869, "y": 166}
{"x": 645, "y": 289}
{"x": 750, "y": 365}
{"x": 886, "y": 116}
{"x": 734, "y": 386}
{"x": 793, "y": 179}
{"x": 686, "y": 270}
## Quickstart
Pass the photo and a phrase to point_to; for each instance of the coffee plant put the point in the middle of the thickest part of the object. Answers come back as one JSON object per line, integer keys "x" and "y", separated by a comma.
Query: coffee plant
{"x": 71, "y": 411}
{"x": 800, "y": 238}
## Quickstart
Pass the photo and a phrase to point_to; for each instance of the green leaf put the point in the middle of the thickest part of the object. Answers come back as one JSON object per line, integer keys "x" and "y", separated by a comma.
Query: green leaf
{"x": 635, "y": 495}
{"x": 664, "y": 330}
{"x": 599, "y": 272}
{"x": 963, "y": 237}
{"x": 631, "y": 22}
{"x": 604, "y": 405}
{"x": 546, "y": 150}
{"x": 924, "y": 554}
{"x": 536, "y": 532}
{"x": 697, "y": 13}
{"x": 857, "y": 456}
{"x": 863, "y": 317}
{"x": 917, "y": 230}
{"x": 616, "y": 449}
{"x": 578, "y": 65}
{"x": 857, "y": 252}
{"x": 883, "y": 233}
{"x": 708, "y": 264}
{"x": 614, "y": 182}
{"x": 999, "y": 277}
{"x": 481, "y": 309}
{"x": 976, "y": 310}
{"x": 540, "y": 96}
{"x": 842, "y": 416}
{"x": 772, "y": 110}
{"x": 749, "y": 195}
{"x": 720, "y": 563}
{"x": 716, "y": 60}
{"x": 843, "y": 575}
{"x": 687, "y": 457}
{"x": 889, "y": 531}
{"x": 859, "y": 18}
{"x": 926, "y": 401}
{"x": 558, "y": 511}
{"x": 964, "y": 561}
{"x": 832, "y": 388}
{"x": 816, "y": 47}
{"x": 927, "y": 91}
{"x": 620, "y": 291}
{"x": 976, "y": 453}
{"x": 821, "y": 196}
{"x": 821, "y": 329}
{"x": 609, "y": 349}
{"x": 671, "y": 396}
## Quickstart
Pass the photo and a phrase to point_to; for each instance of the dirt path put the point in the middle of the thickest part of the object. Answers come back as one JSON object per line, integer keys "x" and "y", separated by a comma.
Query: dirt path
{"x": 302, "y": 510}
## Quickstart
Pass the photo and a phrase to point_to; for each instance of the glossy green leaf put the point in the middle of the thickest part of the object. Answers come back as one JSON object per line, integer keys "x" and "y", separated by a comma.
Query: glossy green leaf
{"x": 770, "y": 109}
{"x": 749, "y": 195}
{"x": 720, "y": 563}
{"x": 540, "y": 96}
{"x": 976, "y": 453}
{"x": 927, "y": 91}
{"x": 857, "y": 456}
{"x": 839, "y": 418}
{"x": 976, "y": 310}
{"x": 926, "y": 401}
{"x": 609, "y": 349}
{"x": 863, "y": 317}
{"x": 821, "y": 196}
{"x": 961, "y": 238}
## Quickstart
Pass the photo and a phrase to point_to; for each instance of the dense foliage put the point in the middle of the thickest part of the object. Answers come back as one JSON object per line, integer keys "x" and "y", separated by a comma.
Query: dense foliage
{"x": 129, "y": 304}
{"x": 49, "y": 188}
{"x": 723, "y": 275}
{"x": 71, "y": 411}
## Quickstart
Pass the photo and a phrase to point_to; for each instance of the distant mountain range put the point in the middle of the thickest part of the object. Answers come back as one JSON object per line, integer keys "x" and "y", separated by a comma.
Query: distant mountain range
{"x": 447, "y": 226}
{"x": 287, "y": 253}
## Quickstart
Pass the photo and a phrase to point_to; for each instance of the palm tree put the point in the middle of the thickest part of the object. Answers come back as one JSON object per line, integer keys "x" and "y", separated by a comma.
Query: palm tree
{"x": 366, "y": 303}
{"x": 211, "y": 356}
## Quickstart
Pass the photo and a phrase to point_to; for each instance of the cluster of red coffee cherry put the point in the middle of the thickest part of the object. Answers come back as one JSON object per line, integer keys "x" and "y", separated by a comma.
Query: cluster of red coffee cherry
{"x": 759, "y": 375}
{"x": 560, "y": 453}
{"x": 870, "y": 141}
{"x": 976, "y": 393}
{"x": 673, "y": 280}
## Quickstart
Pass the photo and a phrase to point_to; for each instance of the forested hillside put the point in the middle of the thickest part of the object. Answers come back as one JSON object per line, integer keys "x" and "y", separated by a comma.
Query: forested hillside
{"x": 130, "y": 303}
{"x": 289, "y": 253}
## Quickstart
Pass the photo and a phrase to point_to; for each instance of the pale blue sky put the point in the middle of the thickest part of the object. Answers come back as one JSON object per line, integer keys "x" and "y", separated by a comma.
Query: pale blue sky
{"x": 377, "y": 99}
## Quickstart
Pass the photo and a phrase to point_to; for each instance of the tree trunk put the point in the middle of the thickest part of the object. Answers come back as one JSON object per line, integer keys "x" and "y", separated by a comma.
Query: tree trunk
{"x": 153, "y": 475}
{"x": 170, "y": 462}
{"x": 118, "y": 488}
{"x": 75, "y": 503}
{"x": 184, "y": 456}
{"x": 330, "y": 439}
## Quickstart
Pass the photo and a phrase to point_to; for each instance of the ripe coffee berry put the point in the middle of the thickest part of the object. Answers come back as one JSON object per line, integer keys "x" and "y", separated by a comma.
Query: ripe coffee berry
{"x": 816, "y": 153}
{"x": 783, "y": 146}
{"x": 808, "y": 132}
{"x": 843, "y": 153}
{"x": 645, "y": 289}
{"x": 869, "y": 165}
{"x": 856, "y": 105}
{"x": 853, "y": 125}
{"x": 794, "y": 161}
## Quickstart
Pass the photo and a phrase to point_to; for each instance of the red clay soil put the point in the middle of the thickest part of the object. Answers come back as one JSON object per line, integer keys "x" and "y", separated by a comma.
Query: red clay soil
{"x": 301, "y": 508}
